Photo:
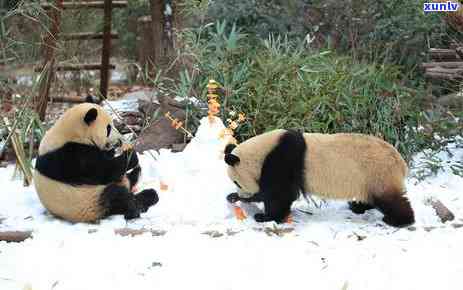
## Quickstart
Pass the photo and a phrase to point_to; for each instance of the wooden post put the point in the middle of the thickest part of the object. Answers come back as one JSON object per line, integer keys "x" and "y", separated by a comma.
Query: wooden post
{"x": 157, "y": 8}
{"x": 104, "y": 80}
{"x": 41, "y": 100}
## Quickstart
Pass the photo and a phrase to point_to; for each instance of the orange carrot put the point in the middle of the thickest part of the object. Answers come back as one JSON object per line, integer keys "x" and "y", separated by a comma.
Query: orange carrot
{"x": 239, "y": 213}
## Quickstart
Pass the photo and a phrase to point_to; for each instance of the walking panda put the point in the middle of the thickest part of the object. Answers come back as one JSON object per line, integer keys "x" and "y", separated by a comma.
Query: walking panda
{"x": 276, "y": 166}
{"x": 77, "y": 175}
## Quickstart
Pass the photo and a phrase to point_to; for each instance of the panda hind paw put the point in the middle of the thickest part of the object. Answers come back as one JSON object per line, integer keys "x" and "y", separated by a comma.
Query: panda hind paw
{"x": 261, "y": 218}
{"x": 359, "y": 207}
{"x": 146, "y": 199}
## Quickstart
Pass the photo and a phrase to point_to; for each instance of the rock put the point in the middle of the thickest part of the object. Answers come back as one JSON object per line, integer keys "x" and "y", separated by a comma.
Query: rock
{"x": 160, "y": 133}
{"x": 441, "y": 210}
{"x": 178, "y": 147}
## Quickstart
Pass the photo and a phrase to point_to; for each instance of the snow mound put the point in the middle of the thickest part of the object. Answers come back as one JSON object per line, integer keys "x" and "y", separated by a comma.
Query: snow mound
{"x": 206, "y": 247}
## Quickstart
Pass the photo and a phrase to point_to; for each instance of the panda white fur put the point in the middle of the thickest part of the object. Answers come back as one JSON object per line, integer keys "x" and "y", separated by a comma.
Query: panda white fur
{"x": 276, "y": 166}
{"x": 77, "y": 175}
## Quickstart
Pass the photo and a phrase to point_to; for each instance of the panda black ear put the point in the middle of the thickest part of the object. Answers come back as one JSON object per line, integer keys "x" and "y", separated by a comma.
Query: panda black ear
{"x": 91, "y": 116}
{"x": 91, "y": 99}
{"x": 231, "y": 159}
{"x": 229, "y": 148}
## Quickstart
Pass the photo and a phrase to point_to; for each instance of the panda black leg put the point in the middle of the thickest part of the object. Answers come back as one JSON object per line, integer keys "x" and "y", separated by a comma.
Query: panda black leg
{"x": 275, "y": 210}
{"x": 133, "y": 176}
{"x": 146, "y": 198}
{"x": 116, "y": 199}
{"x": 359, "y": 207}
{"x": 396, "y": 209}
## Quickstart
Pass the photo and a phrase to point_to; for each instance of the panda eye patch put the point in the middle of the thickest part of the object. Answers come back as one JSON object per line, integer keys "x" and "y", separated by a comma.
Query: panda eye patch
{"x": 108, "y": 130}
{"x": 236, "y": 183}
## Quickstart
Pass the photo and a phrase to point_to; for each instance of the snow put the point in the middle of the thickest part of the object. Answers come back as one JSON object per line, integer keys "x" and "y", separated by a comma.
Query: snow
{"x": 330, "y": 249}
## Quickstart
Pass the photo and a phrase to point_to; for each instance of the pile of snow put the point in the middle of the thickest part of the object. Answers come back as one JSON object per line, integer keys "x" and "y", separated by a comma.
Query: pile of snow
{"x": 206, "y": 247}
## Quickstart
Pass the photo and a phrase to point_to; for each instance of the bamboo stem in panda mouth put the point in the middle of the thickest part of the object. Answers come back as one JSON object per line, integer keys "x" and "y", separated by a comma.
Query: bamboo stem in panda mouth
{"x": 130, "y": 129}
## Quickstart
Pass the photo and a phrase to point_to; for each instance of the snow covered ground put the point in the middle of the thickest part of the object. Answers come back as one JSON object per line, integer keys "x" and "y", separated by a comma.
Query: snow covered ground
{"x": 206, "y": 247}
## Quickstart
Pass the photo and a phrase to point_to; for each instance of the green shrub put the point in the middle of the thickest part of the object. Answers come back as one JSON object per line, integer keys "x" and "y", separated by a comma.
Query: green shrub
{"x": 278, "y": 83}
{"x": 397, "y": 32}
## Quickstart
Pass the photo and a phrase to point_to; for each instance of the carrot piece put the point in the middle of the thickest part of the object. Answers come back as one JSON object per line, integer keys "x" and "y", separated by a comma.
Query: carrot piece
{"x": 289, "y": 219}
{"x": 239, "y": 213}
{"x": 164, "y": 186}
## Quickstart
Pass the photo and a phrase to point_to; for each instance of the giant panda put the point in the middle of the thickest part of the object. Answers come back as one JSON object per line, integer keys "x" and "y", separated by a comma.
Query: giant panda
{"x": 276, "y": 166}
{"x": 77, "y": 175}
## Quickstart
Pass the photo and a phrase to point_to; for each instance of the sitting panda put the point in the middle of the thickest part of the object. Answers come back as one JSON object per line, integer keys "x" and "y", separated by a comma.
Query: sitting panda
{"x": 276, "y": 166}
{"x": 78, "y": 177}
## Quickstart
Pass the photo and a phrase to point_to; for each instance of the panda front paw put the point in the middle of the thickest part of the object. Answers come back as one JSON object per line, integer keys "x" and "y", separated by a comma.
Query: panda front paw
{"x": 233, "y": 197}
{"x": 146, "y": 199}
{"x": 133, "y": 159}
{"x": 132, "y": 213}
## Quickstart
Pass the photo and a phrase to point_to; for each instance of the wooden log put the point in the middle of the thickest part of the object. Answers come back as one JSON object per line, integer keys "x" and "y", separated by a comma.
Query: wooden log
{"x": 87, "y": 36}
{"x": 86, "y": 4}
{"x": 443, "y": 64}
{"x": 443, "y": 54}
{"x": 15, "y": 236}
{"x": 68, "y": 99}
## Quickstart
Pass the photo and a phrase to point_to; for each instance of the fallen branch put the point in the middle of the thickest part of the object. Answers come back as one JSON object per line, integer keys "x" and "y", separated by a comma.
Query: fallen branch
{"x": 15, "y": 236}
{"x": 134, "y": 232}
{"x": 20, "y": 236}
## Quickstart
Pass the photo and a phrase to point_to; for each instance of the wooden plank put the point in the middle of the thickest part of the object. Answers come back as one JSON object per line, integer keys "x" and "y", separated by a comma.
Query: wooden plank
{"x": 106, "y": 51}
{"x": 87, "y": 36}
{"x": 443, "y": 54}
{"x": 87, "y": 4}
{"x": 443, "y": 76}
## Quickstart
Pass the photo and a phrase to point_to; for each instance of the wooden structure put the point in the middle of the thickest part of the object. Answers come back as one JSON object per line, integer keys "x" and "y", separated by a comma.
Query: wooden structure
{"x": 445, "y": 64}
{"x": 49, "y": 67}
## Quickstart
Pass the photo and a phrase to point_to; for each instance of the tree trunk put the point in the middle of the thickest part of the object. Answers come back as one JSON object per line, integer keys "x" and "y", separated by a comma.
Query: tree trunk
{"x": 157, "y": 8}
{"x": 50, "y": 46}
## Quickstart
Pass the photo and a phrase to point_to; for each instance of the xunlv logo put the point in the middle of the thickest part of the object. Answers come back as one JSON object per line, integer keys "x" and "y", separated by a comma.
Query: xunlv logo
{"x": 448, "y": 6}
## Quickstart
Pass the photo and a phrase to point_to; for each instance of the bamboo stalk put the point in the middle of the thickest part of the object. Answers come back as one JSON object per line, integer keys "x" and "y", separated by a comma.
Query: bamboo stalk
{"x": 20, "y": 154}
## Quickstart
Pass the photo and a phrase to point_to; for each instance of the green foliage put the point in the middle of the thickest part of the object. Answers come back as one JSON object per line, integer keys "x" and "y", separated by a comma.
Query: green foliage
{"x": 397, "y": 32}
{"x": 125, "y": 22}
{"x": 262, "y": 17}
{"x": 279, "y": 83}
{"x": 15, "y": 44}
